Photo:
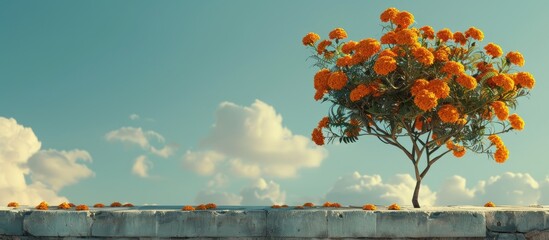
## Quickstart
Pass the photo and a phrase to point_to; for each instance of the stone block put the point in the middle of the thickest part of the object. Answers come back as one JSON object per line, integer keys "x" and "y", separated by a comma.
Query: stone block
{"x": 456, "y": 224}
{"x": 297, "y": 223}
{"x": 129, "y": 223}
{"x": 527, "y": 221}
{"x": 402, "y": 224}
{"x": 351, "y": 223}
{"x": 11, "y": 222}
{"x": 537, "y": 235}
{"x": 60, "y": 223}
{"x": 501, "y": 221}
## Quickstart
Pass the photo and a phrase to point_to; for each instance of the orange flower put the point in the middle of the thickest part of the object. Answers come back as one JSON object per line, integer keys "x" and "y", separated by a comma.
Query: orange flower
{"x": 308, "y": 204}
{"x": 418, "y": 124}
{"x": 359, "y": 92}
{"x": 484, "y": 66}
{"x": 445, "y": 34}
{"x": 489, "y": 204}
{"x": 71, "y": 205}
{"x": 448, "y": 113}
{"x": 335, "y": 205}
{"x": 389, "y": 38}
{"x": 211, "y": 206}
{"x": 462, "y": 121}
{"x": 460, "y": 38}
{"x": 329, "y": 54}
{"x": 525, "y": 79}
{"x": 367, "y": 48}
{"x": 323, "y": 122}
{"x": 504, "y": 81}
{"x": 496, "y": 140}
{"x": 310, "y": 39}
{"x": 82, "y": 207}
{"x": 450, "y": 145}
{"x": 116, "y": 204}
{"x": 501, "y": 110}
{"x": 394, "y": 206}
{"x": 318, "y": 137}
{"x": 428, "y": 32}
{"x": 42, "y": 206}
{"x": 322, "y": 46}
{"x": 516, "y": 121}
{"x": 13, "y": 204}
{"x": 187, "y": 208}
{"x": 127, "y": 205}
{"x": 387, "y": 52}
{"x": 439, "y": 88}
{"x": 99, "y": 205}
{"x": 459, "y": 151}
{"x": 348, "y": 47}
{"x": 201, "y": 207}
{"x": 344, "y": 61}
{"x": 424, "y": 56}
{"x": 369, "y": 207}
{"x": 388, "y": 15}
{"x": 384, "y": 65}
{"x": 319, "y": 94}
{"x": 515, "y": 58}
{"x": 406, "y": 37}
{"x": 327, "y": 204}
{"x": 338, "y": 33}
{"x": 321, "y": 79}
{"x": 441, "y": 55}
{"x": 493, "y": 50}
{"x": 337, "y": 80}
{"x": 501, "y": 155}
{"x": 466, "y": 81}
{"x": 474, "y": 33}
{"x": 64, "y": 205}
{"x": 299, "y": 207}
{"x": 425, "y": 100}
{"x": 403, "y": 19}
{"x": 453, "y": 68}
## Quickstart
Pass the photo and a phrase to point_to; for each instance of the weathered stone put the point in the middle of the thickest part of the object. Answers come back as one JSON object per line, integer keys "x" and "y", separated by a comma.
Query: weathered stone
{"x": 11, "y": 222}
{"x": 456, "y": 224}
{"x": 58, "y": 223}
{"x": 351, "y": 223}
{"x": 125, "y": 224}
{"x": 528, "y": 221}
{"x": 501, "y": 221}
{"x": 297, "y": 223}
{"x": 537, "y": 235}
{"x": 510, "y": 236}
{"x": 398, "y": 224}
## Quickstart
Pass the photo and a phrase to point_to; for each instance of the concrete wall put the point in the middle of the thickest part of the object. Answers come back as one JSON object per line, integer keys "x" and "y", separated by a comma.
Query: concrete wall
{"x": 263, "y": 222}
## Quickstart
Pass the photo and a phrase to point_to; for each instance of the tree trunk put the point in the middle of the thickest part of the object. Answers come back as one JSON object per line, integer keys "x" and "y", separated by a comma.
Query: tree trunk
{"x": 415, "y": 201}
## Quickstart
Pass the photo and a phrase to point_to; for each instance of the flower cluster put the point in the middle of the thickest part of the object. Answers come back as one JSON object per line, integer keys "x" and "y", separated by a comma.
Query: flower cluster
{"x": 489, "y": 204}
{"x": 332, "y": 204}
{"x": 501, "y": 153}
{"x": 13, "y": 204}
{"x": 64, "y": 205}
{"x": 370, "y": 207}
{"x": 82, "y": 207}
{"x": 42, "y": 206}
{"x": 393, "y": 206}
{"x": 418, "y": 80}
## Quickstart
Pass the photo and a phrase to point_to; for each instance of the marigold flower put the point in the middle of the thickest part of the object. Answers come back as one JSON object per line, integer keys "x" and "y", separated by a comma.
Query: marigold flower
{"x": 394, "y": 206}
{"x": 516, "y": 121}
{"x": 501, "y": 155}
{"x": 418, "y": 124}
{"x": 474, "y": 33}
{"x": 489, "y": 204}
{"x": 310, "y": 39}
{"x": 275, "y": 206}
{"x": 359, "y": 92}
{"x": 187, "y": 208}
{"x": 461, "y": 121}
{"x": 13, "y": 204}
{"x": 201, "y": 207}
{"x": 42, "y": 206}
{"x": 453, "y": 68}
{"x": 99, "y": 205}
{"x": 448, "y": 113}
{"x": 82, "y": 207}
{"x": 501, "y": 110}
{"x": 450, "y": 145}
{"x": 388, "y": 15}
{"x": 344, "y": 61}
{"x": 323, "y": 122}
{"x": 460, "y": 38}
{"x": 445, "y": 34}
{"x": 403, "y": 19}
{"x": 384, "y": 65}
{"x": 439, "y": 88}
{"x": 71, "y": 204}
{"x": 459, "y": 152}
{"x": 337, "y": 80}
{"x": 338, "y": 33}
{"x": 319, "y": 94}
{"x": 515, "y": 58}
{"x": 525, "y": 79}
{"x": 299, "y": 207}
{"x": 389, "y": 38}
{"x": 441, "y": 55}
{"x": 308, "y": 204}
{"x": 496, "y": 140}
{"x": 329, "y": 54}
{"x": 493, "y": 50}
{"x": 321, "y": 79}
{"x": 317, "y": 136}
{"x": 127, "y": 205}
{"x": 211, "y": 206}
{"x": 64, "y": 205}
{"x": 367, "y": 48}
{"x": 322, "y": 46}
{"x": 466, "y": 81}
{"x": 388, "y": 53}
{"x": 335, "y": 205}
{"x": 327, "y": 204}
{"x": 504, "y": 81}
{"x": 284, "y": 206}
{"x": 116, "y": 204}
{"x": 484, "y": 66}
{"x": 354, "y": 129}
{"x": 425, "y": 100}
{"x": 424, "y": 56}
{"x": 427, "y": 32}
{"x": 369, "y": 207}
{"x": 406, "y": 37}
{"x": 348, "y": 47}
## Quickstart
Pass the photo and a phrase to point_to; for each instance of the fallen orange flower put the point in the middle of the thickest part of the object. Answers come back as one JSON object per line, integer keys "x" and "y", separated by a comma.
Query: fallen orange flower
{"x": 82, "y": 208}
{"x": 369, "y": 207}
{"x": 394, "y": 206}
{"x": 13, "y": 204}
{"x": 187, "y": 208}
{"x": 116, "y": 204}
{"x": 42, "y": 206}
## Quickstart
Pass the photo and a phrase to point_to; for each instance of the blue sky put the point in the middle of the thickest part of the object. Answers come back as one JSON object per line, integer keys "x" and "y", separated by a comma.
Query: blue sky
{"x": 74, "y": 71}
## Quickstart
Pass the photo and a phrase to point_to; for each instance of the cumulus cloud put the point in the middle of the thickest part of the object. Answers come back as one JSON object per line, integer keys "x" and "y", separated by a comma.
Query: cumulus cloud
{"x": 49, "y": 170}
{"x": 164, "y": 152}
{"x": 132, "y": 135}
{"x": 141, "y": 166}
{"x": 252, "y": 142}
{"x": 262, "y": 193}
{"x": 455, "y": 192}
{"x": 357, "y": 189}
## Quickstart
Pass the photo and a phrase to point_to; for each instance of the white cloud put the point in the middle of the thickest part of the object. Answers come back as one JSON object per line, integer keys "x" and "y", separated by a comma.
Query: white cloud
{"x": 19, "y": 144}
{"x": 141, "y": 166}
{"x": 455, "y": 192}
{"x": 59, "y": 168}
{"x": 252, "y": 142}
{"x": 134, "y": 136}
{"x": 218, "y": 181}
{"x": 134, "y": 116}
{"x": 164, "y": 152}
{"x": 356, "y": 189}
{"x": 219, "y": 198}
{"x": 262, "y": 193}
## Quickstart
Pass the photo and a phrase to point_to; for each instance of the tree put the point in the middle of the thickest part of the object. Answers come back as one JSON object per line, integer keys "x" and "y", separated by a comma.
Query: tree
{"x": 426, "y": 94}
